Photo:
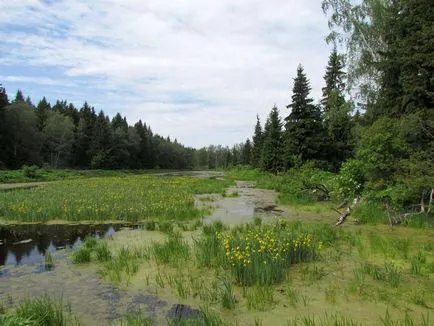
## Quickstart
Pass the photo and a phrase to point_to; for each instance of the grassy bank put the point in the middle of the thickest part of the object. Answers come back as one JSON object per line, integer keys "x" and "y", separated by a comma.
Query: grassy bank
{"x": 312, "y": 190}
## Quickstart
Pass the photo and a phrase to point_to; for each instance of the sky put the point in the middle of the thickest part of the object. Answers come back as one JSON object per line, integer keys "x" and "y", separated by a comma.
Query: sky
{"x": 196, "y": 70}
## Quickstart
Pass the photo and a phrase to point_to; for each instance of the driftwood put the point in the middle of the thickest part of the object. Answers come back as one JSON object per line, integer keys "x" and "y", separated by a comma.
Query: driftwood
{"x": 343, "y": 215}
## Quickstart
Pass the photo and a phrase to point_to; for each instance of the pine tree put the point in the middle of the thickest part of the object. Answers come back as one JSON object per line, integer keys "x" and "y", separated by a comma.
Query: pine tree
{"x": 333, "y": 92}
{"x": 258, "y": 140}
{"x": 42, "y": 110}
{"x": 3, "y": 97}
{"x": 336, "y": 113}
{"x": 19, "y": 97}
{"x": 271, "y": 159}
{"x": 247, "y": 153}
{"x": 304, "y": 132}
{"x": 4, "y": 101}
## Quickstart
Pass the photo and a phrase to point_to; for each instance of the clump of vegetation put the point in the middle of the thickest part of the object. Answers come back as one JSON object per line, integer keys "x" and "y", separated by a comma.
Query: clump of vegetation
{"x": 48, "y": 261}
{"x": 124, "y": 264}
{"x": 261, "y": 256}
{"x": 102, "y": 252}
{"x": 82, "y": 255}
{"x": 173, "y": 250}
{"x": 39, "y": 311}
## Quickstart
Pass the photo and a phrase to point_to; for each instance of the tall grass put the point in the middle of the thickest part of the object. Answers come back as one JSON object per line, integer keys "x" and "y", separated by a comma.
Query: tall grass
{"x": 370, "y": 213}
{"x": 172, "y": 251}
{"x": 227, "y": 295}
{"x": 261, "y": 255}
{"x": 124, "y": 264}
{"x": 40, "y": 311}
{"x": 129, "y": 198}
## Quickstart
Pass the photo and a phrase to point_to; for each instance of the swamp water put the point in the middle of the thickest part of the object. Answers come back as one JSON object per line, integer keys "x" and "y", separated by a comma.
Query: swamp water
{"x": 95, "y": 301}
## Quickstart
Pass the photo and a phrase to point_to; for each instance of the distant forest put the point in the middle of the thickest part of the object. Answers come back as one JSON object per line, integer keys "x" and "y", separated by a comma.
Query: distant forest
{"x": 63, "y": 136}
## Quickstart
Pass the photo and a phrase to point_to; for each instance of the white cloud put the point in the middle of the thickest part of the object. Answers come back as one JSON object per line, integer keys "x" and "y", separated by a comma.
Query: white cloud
{"x": 235, "y": 58}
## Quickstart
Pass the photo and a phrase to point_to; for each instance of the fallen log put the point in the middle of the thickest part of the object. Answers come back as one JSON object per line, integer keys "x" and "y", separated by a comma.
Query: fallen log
{"x": 343, "y": 215}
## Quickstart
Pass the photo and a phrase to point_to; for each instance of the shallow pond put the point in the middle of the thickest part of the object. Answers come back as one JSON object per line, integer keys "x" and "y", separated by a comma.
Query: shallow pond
{"x": 27, "y": 244}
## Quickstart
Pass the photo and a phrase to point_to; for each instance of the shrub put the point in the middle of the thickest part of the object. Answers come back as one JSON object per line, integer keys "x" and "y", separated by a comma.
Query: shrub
{"x": 30, "y": 171}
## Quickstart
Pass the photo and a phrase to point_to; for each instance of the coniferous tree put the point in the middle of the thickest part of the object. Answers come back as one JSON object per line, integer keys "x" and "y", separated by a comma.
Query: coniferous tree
{"x": 19, "y": 97}
{"x": 101, "y": 141}
{"x": 271, "y": 158}
{"x": 333, "y": 92}
{"x": 42, "y": 110}
{"x": 247, "y": 153}
{"x": 336, "y": 113}
{"x": 3, "y": 97}
{"x": 304, "y": 132}
{"x": 258, "y": 141}
{"x": 4, "y": 101}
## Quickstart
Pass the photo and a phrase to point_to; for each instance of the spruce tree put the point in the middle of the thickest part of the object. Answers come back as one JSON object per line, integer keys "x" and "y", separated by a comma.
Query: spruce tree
{"x": 3, "y": 97}
{"x": 271, "y": 159}
{"x": 42, "y": 110}
{"x": 304, "y": 132}
{"x": 333, "y": 92}
{"x": 19, "y": 97}
{"x": 258, "y": 139}
{"x": 336, "y": 113}
{"x": 4, "y": 101}
{"x": 247, "y": 153}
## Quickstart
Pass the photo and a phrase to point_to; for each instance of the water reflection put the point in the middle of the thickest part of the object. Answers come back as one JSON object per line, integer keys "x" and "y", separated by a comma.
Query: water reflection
{"x": 27, "y": 244}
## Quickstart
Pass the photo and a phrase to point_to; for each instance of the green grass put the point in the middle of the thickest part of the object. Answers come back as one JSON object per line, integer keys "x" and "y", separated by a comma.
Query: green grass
{"x": 260, "y": 298}
{"x": 370, "y": 213}
{"x": 82, "y": 255}
{"x": 227, "y": 295}
{"x": 127, "y": 198}
{"x": 102, "y": 252}
{"x": 48, "y": 261}
{"x": 41, "y": 174}
{"x": 124, "y": 264}
{"x": 42, "y": 311}
{"x": 174, "y": 250}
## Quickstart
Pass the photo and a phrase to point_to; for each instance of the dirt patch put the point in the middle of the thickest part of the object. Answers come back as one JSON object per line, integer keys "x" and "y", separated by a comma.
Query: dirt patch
{"x": 15, "y": 186}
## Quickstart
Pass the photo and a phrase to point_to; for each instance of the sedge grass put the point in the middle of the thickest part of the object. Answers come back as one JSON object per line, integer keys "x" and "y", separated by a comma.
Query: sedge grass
{"x": 130, "y": 198}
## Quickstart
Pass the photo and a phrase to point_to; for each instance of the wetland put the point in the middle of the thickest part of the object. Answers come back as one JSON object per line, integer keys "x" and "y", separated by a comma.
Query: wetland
{"x": 203, "y": 249}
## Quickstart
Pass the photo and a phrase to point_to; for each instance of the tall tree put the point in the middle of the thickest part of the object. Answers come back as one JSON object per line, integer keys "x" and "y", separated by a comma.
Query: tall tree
{"x": 247, "y": 153}
{"x": 4, "y": 101}
{"x": 3, "y": 97}
{"x": 22, "y": 139}
{"x": 258, "y": 141}
{"x": 333, "y": 91}
{"x": 42, "y": 110}
{"x": 59, "y": 137}
{"x": 101, "y": 141}
{"x": 304, "y": 132}
{"x": 19, "y": 97}
{"x": 337, "y": 117}
{"x": 359, "y": 26}
{"x": 271, "y": 159}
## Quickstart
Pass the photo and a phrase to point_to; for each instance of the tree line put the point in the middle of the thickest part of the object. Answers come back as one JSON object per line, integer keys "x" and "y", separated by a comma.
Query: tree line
{"x": 64, "y": 136}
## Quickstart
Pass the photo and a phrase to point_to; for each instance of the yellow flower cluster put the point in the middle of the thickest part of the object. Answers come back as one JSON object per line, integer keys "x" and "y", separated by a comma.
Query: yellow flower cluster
{"x": 272, "y": 245}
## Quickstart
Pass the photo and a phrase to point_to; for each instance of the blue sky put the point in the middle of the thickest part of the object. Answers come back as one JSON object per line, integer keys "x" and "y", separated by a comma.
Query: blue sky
{"x": 196, "y": 70}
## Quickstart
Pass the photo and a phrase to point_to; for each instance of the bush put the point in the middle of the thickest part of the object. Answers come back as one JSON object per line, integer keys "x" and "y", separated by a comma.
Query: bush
{"x": 350, "y": 180}
{"x": 31, "y": 171}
